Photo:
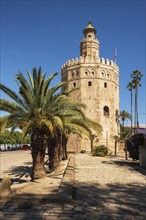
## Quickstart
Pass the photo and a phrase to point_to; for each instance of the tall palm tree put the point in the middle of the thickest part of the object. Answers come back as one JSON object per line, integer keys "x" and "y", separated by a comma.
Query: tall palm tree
{"x": 136, "y": 78}
{"x": 41, "y": 114}
{"x": 29, "y": 111}
{"x": 130, "y": 87}
{"x": 124, "y": 116}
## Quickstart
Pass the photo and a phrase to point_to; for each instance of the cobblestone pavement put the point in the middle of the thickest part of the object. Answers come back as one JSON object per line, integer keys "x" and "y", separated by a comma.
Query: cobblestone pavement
{"x": 92, "y": 188}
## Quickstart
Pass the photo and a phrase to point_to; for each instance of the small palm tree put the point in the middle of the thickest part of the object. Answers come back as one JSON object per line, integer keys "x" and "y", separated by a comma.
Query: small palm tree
{"x": 70, "y": 119}
{"x": 124, "y": 116}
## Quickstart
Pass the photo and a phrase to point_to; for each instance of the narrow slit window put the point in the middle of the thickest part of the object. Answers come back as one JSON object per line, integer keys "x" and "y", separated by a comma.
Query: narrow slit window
{"x": 105, "y": 85}
{"x": 74, "y": 84}
{"x": 106, "y": 111}
{"x": 89, "y": 83}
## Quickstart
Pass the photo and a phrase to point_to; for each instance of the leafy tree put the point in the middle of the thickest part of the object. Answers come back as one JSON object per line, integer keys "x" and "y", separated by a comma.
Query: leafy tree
{"x": 14, "y": 137}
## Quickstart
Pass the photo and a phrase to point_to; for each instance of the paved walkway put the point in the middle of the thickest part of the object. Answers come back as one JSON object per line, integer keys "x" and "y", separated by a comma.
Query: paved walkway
{"x": 92, "y": 188}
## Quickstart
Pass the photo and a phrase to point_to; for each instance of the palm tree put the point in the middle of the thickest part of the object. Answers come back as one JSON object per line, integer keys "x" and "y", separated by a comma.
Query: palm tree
{"x": 130, "y": 87}
{"x": 70, "y": 119}
{"x": 136, "y": 78}
{"x": 124, "y": 116}
{"x": 41, "y": 114}
{"x": 29, "y": 111}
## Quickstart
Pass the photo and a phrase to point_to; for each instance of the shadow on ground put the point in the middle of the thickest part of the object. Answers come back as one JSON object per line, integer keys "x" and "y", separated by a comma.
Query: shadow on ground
{"x": 132, "y": 165}
{"x": 19, "y": 172}
{"x": 81, "y": 201}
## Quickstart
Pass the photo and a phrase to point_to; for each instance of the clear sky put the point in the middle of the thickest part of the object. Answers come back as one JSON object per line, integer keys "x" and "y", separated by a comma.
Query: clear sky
{"x": 48, "y": 33}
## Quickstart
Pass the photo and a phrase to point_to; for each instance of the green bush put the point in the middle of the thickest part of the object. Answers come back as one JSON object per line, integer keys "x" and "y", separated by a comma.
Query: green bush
{"x": 100, "y": 151}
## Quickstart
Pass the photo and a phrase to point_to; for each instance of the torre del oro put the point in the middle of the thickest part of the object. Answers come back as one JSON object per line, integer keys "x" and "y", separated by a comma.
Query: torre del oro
{"x": 98, "y": 82}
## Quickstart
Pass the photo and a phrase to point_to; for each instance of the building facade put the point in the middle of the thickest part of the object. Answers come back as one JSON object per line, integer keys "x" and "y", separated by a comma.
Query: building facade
{"x": 98, "y": 82}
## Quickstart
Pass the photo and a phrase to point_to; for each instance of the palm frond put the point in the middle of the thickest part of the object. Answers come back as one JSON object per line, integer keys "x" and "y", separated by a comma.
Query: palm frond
{"x": 12, "y": 94}
{"x": 10, "y": 107}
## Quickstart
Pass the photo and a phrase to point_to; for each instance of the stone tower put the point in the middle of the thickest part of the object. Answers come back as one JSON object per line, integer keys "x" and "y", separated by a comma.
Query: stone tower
{"x": 98, "y": 82}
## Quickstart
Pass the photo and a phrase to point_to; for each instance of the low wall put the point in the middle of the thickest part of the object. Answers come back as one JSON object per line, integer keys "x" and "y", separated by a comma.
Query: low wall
{"x": 142, "y": 154}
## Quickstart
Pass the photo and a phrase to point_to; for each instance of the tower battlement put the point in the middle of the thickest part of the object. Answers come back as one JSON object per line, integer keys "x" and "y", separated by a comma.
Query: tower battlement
{"x": 86, "y": 60}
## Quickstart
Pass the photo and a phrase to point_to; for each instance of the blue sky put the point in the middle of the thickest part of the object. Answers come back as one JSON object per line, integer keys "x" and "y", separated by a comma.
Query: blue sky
{"x": 48, "y": 33}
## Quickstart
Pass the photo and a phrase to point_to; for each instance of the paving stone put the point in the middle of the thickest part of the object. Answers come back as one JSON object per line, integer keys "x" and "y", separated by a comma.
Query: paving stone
{"x": 103, "y": 191}
{"x": 51, "y": 218}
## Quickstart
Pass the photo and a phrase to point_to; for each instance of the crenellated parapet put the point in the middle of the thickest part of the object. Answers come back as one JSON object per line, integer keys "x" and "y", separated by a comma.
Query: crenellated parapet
{"x": 86, "y": 60}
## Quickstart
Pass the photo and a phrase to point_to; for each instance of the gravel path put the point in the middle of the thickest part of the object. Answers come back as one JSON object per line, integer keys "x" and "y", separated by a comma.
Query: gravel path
{"x": 110, "y": 188}
{"x": 11, "y": 160}
{"x": 106, "y": 171}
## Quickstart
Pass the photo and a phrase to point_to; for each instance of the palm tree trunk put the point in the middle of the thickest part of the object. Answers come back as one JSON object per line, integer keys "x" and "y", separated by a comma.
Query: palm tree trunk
{"x": 135, "y": 113}
{"x": 53, "y": 155}
{"x": 59, "y": 146}
{"x": 137, "y": 107}
{"x": 64, "y": 147}
{"x": 38, "y": 155}
{"x": 131, "y": 113}
{"x": 123, "y": 125}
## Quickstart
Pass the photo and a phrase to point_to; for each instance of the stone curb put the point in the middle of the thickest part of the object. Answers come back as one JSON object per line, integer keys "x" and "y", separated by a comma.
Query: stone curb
{"x": 66, "y": 189}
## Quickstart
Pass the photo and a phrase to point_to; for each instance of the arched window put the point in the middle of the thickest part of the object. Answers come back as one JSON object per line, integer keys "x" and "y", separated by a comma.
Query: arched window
{"x": 86, "y": 72}
{"x": 74, "y": 84}
{"x": 102, "y": 74}
{"x": 105, "y": 85}
{"x": 89, "y": 83}
{"x": 106, "y": 111}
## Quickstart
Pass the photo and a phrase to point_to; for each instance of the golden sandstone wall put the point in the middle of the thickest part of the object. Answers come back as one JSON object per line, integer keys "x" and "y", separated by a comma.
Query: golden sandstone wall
{"x": 98, "y": 82}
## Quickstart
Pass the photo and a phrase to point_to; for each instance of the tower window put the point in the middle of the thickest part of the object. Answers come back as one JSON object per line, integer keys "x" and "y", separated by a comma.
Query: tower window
{"x": 93, "y": 73}
{"x": 105, "y": 85}
{"x": 89, "y": 35}
{"x": 106, "y": 111}
{"x": 102, "y": 74}
{"x": 86, "y": 72}
{"x": 89, "y": 83}
{"x": 74, "y": 84}
{"x": 117, "y": 115}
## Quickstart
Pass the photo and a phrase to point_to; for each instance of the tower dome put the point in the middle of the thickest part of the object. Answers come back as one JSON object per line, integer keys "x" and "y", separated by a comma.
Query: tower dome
{"x": 89, "y": 29}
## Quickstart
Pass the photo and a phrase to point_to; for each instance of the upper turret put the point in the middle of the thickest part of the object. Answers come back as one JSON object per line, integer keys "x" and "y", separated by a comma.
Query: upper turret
{"x": 89, "y": 31}
{"x": 89, "y": 46}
